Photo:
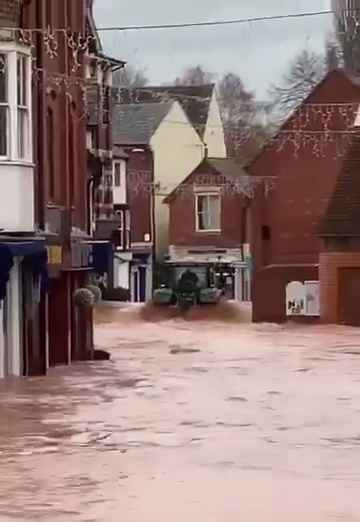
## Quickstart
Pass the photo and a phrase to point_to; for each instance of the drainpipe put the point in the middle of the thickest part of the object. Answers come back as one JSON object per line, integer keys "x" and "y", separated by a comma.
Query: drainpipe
{"x": 90, "y": 202}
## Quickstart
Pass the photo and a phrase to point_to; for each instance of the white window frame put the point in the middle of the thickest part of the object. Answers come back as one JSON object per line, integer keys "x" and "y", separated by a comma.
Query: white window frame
{"x": 5, "y": 104}
{"x": 22, "y": 106}
{"x": 117, "y": 163}
{"x": 210, "y": 193}
{"x": 120, "y": 191}
{"x": 12, "y": 51}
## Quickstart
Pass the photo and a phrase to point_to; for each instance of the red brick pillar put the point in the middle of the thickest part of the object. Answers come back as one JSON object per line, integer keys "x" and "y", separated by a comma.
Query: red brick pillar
{"x": 330, "y": 265}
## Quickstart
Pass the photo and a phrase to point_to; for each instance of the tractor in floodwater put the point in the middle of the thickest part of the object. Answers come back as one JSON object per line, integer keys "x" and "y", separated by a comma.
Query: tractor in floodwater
{"x": 186, "y": 293}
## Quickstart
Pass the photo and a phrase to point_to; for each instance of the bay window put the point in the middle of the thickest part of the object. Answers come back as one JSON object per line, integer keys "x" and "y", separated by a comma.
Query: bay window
{"x": 117, "y": 174}
{"x": 22, "y": 104}
{"x": 15, "y": 103}
{"x": 208, "y": 212}
{"x": 4, "y": 106}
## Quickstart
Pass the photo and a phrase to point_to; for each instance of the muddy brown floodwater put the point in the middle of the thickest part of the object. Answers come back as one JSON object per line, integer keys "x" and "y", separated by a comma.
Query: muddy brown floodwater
{"x": 197, "y": 421}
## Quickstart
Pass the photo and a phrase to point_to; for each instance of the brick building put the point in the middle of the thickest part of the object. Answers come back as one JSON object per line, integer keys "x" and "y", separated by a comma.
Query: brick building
{"x": 305, "y": 162}
{"x": 61, "y": 184}
{"x": 340, "y": 255}
{"x": 209, "y": 226}
{"x": 22, "y": 251}
{"x": 108, "y": 211}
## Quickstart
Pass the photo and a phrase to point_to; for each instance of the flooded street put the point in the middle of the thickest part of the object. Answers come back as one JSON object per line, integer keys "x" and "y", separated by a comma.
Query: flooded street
{"x": 195, "y": 421}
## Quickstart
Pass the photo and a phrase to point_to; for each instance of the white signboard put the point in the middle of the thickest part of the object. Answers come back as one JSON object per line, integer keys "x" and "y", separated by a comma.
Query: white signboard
{"x": 303, "y": 299}
{"x": 295, "y": 299}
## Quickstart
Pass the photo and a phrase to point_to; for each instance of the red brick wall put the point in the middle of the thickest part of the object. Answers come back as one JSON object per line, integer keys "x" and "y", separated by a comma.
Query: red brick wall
{"x": 294, "y": 209}
{"x": 304, "y": 185}
{"x": 69, "y": 176}
{"x": 140, "y": 195}
{"x": 10, "y": 13}
{"x": 330, "y": 264}
{"x": 183, "y": 215}
{"x": 269, "y": 290}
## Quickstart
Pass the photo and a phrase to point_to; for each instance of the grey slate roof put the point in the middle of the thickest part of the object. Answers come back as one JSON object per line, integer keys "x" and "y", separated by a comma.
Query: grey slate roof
{"x": 194, "y": 99}
{"x": 343, "y": 215}
{"x": 135, "y": 124}
{"x": 231, "y": 168}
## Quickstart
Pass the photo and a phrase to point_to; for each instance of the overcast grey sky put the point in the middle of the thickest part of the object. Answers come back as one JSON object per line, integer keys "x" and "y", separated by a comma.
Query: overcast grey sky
{"x": 258, "y": 52}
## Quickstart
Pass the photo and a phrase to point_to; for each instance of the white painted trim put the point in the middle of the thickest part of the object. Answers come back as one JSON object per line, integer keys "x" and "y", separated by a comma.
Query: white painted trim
{"x": 16, "y": 163}
{"x": 12, "y": 101}
{"x": 208, "y": 230}
{"x": 30, "y": 153}
{"x": 208, "y": 190}
{"x": 12, "y": 50}
{"x": 11, "y": 356}
{"x": 119, "y": 191}
{"x": 149, "y": 282}
{"x": 6, "y": 47}
{"x": 14, "y": 320}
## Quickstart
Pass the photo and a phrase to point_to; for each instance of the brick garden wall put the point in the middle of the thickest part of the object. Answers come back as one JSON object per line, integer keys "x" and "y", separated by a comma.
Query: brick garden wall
{"x": 269, "y": 290}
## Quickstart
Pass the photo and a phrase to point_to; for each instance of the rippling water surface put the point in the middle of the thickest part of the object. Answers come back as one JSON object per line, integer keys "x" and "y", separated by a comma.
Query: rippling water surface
{"x": 204, "y": 421}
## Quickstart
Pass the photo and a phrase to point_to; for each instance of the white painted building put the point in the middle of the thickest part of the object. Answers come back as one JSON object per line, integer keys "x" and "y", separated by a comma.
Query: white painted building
{"x": 16, "y": 199}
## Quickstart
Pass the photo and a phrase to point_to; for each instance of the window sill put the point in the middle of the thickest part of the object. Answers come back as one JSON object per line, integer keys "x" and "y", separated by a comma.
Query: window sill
{"x": 208, "y": 231}
{"x": 17, "y": 162}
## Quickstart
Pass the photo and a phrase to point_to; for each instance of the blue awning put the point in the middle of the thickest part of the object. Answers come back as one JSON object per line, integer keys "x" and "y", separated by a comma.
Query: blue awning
{"x": 34, "y": 251}
{"x": 24, "y": 248}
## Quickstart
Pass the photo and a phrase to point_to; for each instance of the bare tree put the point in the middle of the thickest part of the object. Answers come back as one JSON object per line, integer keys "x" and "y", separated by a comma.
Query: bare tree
{"x": 244, "y": 131}
{"x": 237, "y": 103}
{"x": 347, "y": 31}
{"x": 245, "y": 128}
{"x": 130, "y": 77}
{"x": 306, "y": 70}
{"x": 333, "y": 54}
{"x": 195, "y": 76}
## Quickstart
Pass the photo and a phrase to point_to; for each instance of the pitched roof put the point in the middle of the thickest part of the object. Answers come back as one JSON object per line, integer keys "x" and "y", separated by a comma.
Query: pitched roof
{"x": 340, "y": 73}
{"x": 343, "y": 214}
{"x": 135, "y": 124}
{"x": 194, "y": 99}
{"x": 231, "y": 168}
